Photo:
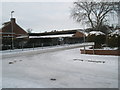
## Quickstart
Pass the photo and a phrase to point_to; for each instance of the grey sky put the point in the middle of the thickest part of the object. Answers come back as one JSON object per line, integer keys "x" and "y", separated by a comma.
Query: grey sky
{"x": 40, "y": 16}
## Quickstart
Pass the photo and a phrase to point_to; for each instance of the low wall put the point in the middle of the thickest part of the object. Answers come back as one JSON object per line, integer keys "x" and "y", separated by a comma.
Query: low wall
{"x": 101, "y": 52}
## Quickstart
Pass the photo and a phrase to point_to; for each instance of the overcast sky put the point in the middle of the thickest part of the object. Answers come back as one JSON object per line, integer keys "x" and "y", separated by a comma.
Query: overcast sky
{"x": 41, "y": 16}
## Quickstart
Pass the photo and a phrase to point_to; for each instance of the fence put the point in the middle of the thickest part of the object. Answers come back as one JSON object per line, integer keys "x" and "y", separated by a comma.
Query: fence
{"x": 39, "y": 42}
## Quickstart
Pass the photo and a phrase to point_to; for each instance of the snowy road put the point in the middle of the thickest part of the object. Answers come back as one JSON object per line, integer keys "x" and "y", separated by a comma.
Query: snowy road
{"x": 40, "y": 50}
{"x": 70, "y": 69}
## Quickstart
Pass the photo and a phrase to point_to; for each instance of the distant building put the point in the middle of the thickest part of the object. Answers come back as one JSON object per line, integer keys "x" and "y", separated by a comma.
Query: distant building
{"x": 57, "y": 37}
{"x": 11, "y": 30}
{"x": 11, "y": 33}
{"x": 78, "y": 33}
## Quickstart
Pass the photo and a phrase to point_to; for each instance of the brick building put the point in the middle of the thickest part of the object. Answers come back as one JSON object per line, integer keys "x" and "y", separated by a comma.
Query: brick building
{"x": 11, "y": 30}
{"x": 11, "y": 33}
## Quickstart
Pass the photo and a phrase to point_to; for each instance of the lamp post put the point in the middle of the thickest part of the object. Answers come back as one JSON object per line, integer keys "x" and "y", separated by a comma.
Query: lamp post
{"x": 12, "y": 14}
{"x": 12, "y": 29}
{"x": 84, "y": 36}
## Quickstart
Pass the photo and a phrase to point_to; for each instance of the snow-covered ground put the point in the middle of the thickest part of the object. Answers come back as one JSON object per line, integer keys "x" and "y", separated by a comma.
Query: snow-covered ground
{"x": 67, "y": 67}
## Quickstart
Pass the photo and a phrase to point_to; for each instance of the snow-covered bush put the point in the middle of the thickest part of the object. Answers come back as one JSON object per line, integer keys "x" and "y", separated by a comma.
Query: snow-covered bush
{"x": 113, "y": 39}
{"x": 97, "y": 37}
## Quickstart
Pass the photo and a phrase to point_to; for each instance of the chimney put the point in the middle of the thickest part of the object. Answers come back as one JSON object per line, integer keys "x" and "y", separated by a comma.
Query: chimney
{"x": 13, "y": 20}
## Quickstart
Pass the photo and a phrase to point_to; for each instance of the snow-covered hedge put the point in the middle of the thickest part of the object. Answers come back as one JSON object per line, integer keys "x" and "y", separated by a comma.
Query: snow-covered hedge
{"x": 114, "y": 39}
{"x": 97, "y": 37}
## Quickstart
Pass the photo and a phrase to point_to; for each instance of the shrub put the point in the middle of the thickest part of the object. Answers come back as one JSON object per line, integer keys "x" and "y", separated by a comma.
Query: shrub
{"x": 113, "y": 40}
{"x": 97, "y": 37}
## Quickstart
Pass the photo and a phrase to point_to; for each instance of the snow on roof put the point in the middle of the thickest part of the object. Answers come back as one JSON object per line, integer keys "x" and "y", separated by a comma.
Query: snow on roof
{"x": 52, "y": 36}
{"x": 96, "y": 33}
{"x": 23, "y": 36}
{"x": 115, "y": 32}
{"x": 85, "y": 33}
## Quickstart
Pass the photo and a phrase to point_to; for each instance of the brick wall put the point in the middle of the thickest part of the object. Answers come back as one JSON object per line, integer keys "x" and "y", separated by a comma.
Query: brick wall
{"x": 101, "y": 52}
{"x": 78, "y": 34}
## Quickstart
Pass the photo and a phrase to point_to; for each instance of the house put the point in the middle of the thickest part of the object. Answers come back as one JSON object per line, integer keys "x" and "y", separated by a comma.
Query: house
{"x": 11, "y": 30}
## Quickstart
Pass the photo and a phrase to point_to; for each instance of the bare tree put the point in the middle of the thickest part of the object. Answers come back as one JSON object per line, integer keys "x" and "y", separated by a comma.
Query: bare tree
{"x": 95, "y": 14}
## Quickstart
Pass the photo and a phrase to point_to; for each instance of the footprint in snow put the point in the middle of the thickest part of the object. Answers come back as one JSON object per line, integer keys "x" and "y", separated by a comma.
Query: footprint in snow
{"x": 11, "y": 62}
{"x": 53, "y": 79}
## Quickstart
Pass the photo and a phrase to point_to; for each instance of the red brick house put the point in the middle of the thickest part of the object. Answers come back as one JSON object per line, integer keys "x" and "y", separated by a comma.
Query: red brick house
{"x": 11, "y": 30}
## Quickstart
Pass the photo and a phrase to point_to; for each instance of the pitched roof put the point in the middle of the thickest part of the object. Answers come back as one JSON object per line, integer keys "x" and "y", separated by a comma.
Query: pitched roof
{"x": 16, "y": 28}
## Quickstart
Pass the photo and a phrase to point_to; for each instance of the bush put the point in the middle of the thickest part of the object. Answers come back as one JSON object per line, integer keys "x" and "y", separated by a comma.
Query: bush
{"x": 99, "y": 38}
{"x": 113, "y": 40}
